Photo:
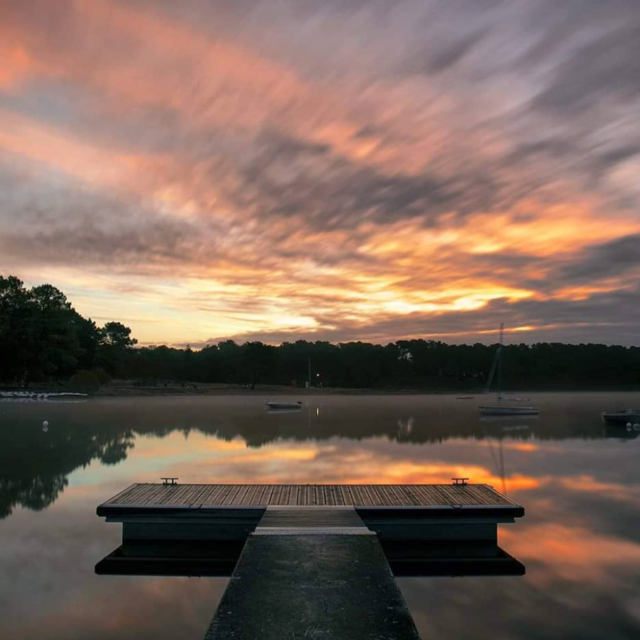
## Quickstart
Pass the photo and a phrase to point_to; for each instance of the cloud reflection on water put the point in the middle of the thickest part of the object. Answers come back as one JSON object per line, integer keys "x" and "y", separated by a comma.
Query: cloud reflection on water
{"x": 579, "y": 538}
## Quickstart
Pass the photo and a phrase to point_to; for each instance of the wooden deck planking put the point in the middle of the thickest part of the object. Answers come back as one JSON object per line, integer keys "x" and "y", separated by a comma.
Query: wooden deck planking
{"x": 147, "y": 495}
{"x": 133, "y": 494}
{"x": 129, "y": 494}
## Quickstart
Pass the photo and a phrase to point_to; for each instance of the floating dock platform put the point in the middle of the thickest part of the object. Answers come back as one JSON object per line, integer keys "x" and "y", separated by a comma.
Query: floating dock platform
{"x": 310, "y": 560}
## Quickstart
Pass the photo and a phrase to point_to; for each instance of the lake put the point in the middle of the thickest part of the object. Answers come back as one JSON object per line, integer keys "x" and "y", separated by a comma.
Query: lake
{"x": 579, "y": 483}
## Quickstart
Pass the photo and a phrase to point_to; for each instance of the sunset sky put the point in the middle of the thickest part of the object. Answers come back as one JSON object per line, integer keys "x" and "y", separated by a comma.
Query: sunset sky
{"x": 327, "y": 170}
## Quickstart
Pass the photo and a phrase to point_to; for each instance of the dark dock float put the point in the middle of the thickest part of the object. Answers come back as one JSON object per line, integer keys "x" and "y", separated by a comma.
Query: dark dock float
{"x": 310, "y": 560}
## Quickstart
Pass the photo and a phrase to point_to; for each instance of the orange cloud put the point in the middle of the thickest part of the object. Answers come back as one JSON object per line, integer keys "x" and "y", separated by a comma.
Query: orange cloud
{"x": 569, "y": 552}
{"x": 16, "y": 65}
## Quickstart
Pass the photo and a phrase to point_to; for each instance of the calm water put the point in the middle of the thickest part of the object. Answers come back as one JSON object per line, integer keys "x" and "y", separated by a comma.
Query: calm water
{"x": 580, "y": 484}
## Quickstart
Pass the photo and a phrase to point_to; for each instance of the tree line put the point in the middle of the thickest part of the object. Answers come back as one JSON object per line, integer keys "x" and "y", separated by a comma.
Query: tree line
{"x": 44, "y": 339}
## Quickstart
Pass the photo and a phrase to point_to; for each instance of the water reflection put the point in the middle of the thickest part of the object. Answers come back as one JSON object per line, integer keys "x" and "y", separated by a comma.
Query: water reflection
{"x": 35, "y": 465}
{"x": 579, "y": 481}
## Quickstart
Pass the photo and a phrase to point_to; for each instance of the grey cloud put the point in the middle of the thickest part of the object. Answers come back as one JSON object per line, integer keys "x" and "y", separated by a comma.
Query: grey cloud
{"x": 334, "y": 192}
{"x": 610, "y": 259}
{"x": 450, "y": 52}
{"x": 80, "y": 227}
{"x": 607, "y": 69}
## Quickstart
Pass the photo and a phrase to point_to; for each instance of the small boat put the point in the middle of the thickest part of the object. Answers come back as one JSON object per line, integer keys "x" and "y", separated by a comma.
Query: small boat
{"x": 622, "y": 417}
{"x": 465, "y": 397}
{"x": 501, "y": 409}
{"x": 283, "y": 407}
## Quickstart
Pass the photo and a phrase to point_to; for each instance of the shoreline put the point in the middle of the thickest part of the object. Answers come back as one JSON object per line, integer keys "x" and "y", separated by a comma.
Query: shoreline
{"x": 213, "y": 390}
{"x": 125, "y": 391}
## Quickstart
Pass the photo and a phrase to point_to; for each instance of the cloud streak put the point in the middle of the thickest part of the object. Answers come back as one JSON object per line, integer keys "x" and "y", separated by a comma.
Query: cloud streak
{"x": 344, "y": 171}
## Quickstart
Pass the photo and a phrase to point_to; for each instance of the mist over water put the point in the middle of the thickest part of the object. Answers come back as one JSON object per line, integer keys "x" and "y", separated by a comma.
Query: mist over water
{"x": 579, "y": 483}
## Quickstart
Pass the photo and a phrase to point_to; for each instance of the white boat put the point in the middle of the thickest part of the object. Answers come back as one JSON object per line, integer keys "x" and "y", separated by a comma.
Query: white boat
{"x": 503, "y": 409}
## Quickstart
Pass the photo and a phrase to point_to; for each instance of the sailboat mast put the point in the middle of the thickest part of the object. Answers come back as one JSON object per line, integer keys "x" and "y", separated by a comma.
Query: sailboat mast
{"x": 500, "y": 359}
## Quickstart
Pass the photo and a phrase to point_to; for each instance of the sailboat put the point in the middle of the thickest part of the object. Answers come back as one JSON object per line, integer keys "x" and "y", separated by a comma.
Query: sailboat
{"x": 502, "y": 409}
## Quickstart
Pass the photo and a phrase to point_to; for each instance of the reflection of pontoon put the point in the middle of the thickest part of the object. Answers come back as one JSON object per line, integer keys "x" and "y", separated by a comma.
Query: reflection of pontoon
{"x": 407, "y": 558}
{"x": 622, "y": 417}
{"x": 283, "y": 407}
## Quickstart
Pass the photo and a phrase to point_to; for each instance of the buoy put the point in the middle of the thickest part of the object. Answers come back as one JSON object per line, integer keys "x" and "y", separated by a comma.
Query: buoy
{"x": 629, "y": 425}
{"x": 45, "y": 426}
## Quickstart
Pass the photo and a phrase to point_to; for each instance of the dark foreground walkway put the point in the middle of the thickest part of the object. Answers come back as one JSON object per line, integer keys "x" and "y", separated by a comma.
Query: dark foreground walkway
{"x": 314, "y": 573}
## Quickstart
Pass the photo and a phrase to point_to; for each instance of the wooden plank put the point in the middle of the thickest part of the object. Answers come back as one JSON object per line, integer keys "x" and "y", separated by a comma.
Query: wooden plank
{"x": 206, "y": 497}
{"x": 136, "y": 494}
{"x": 229, "y": 499}
{"x": 128, "y": 495}
{"x": 151, "y": 495}
{"x": 454, "y": 496}
{"x": 260, "y": 498}
{"x": 249, "y": 497}
{"x": 434, "y": 495}
{"x": 356, "y": 492}
{"x": 348, "y": 494}
{"x": 211, "y": 498}
{"x": 472, "y": 496}
{"x": 400, "y": 497}
{"x": 194, "y": 495}
{"x": 239, "y": 499}
{"x": 268, "y": 493}
{"x": 179, "y": 496}
{"x": 384, "y": 495}
{"x": 367, "y": 496}
{"x": 277, "y": 494}
{"x": 124, "y": 492}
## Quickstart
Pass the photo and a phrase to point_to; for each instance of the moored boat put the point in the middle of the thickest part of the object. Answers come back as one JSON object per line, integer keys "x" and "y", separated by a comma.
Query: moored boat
{"x": 502, "y": 409}
{"x": 283, "y": 407}
{"x": 495, "y": 410}
{"x": 622, "y": 417}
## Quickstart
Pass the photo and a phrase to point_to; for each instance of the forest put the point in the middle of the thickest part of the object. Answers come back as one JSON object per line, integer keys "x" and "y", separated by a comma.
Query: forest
{"x": 44, "y": 340}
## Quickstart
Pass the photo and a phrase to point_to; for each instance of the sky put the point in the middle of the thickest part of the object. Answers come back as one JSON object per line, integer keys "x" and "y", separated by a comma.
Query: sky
{"x": 340, "y": 170}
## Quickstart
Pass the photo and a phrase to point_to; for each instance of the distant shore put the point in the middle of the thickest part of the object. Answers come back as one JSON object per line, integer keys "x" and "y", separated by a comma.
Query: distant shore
{"x": 235, "y": 390}
{"x": 125, "y": 390}
{"x": 132, "y": 389}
